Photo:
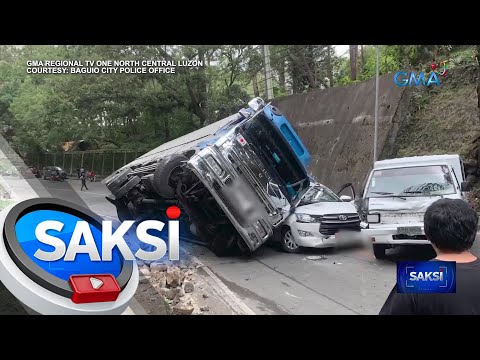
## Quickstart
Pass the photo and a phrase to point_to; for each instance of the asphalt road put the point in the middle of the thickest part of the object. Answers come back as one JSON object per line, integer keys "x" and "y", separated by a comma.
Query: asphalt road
{"x": 346, "y": 281}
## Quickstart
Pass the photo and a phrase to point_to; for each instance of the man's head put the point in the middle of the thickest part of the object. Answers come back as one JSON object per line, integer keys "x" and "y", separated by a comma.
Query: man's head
{"x": 451, "y": 225}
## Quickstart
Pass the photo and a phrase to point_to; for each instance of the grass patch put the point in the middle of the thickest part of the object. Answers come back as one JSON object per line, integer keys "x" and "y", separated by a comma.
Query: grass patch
{"x": 445, "y": 122}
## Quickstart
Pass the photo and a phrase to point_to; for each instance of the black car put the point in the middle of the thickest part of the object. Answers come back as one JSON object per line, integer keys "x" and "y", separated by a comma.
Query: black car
{"x": 48, "y": 171}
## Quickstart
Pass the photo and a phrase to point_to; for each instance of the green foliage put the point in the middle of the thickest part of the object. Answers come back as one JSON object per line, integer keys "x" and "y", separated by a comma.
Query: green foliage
{"x": 40, "y": 112}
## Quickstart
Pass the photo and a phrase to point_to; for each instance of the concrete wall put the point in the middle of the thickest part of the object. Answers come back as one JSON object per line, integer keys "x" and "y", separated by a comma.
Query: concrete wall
{"x": 337, "y": 126}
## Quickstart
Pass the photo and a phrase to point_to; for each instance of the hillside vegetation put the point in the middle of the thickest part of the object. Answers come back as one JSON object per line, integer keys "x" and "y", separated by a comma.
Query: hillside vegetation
{"x": 444, "y": 120}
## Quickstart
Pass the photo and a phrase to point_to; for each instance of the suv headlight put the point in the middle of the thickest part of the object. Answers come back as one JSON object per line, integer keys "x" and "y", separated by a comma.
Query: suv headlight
{"x": 373, "y": 218}
{"x": 214, "y": 165}
{"x": 305, "y": 218}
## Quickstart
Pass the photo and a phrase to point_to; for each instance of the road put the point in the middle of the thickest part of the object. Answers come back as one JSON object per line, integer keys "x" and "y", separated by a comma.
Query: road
{"x": 346, "y": 281}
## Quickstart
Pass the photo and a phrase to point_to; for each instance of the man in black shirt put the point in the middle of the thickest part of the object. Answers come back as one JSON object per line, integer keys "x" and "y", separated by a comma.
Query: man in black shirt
{"x": 451, "y": 227}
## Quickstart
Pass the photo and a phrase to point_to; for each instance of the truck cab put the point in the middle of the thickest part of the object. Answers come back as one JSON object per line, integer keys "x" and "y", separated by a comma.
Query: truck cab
{"x": 220, "y": 176}
{"x": 399, "y": 191}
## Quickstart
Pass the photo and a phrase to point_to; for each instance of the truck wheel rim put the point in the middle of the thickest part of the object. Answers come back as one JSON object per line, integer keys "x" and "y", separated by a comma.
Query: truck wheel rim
{"x": 289, "y": 241}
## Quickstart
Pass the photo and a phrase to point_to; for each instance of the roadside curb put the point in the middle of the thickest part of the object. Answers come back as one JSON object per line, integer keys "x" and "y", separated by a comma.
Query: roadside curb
{"x": 235, "y": 304}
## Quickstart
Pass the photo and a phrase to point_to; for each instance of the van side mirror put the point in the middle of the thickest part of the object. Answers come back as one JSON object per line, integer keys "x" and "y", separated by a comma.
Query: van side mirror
{"x": 465, "y": 186}
{"x": 346, "y": 198}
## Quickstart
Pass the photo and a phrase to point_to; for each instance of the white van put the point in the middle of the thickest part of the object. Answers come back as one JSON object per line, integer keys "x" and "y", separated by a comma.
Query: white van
{"x": 398, "y": 192}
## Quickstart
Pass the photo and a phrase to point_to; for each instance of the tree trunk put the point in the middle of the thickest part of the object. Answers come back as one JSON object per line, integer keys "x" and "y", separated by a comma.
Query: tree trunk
{"x": 362, "y": 55}
{"x": 281, "y": 74}
{"x": 167, "y": 129}
{"x": 353, "y": 61}
{"x": 256, "y": 91}
{"x": 329, "y": 66}
{"x": 477, "y": 56}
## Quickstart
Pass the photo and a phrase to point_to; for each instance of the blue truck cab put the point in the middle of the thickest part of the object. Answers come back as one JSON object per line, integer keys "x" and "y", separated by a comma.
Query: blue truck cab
{"x": 289, "y": 133}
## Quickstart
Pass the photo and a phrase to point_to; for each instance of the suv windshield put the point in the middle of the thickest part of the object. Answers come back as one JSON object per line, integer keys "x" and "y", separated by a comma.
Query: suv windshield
{"x": 262, "y": 134}
{"x": 430, "y": 180}
{"x": 318, "y": 194}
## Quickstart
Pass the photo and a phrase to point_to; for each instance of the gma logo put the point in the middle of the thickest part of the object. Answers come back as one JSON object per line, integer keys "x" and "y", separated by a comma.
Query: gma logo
{"x": 403, "y": 78}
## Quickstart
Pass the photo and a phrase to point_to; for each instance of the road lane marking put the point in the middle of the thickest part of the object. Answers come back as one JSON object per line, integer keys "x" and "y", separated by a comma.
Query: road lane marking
{"x": 294, "y": 296}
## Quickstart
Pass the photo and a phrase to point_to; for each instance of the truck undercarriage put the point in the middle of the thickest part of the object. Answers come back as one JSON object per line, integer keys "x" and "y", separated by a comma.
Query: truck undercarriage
{"x": 147, "y": 196}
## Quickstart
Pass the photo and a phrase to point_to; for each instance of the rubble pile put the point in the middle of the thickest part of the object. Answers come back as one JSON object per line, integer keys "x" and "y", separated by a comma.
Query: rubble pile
{"x": 175, "y": 282}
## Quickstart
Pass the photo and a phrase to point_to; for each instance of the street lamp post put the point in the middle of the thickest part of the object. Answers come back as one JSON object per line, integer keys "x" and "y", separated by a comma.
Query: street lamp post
{"x": 376, "y": 109}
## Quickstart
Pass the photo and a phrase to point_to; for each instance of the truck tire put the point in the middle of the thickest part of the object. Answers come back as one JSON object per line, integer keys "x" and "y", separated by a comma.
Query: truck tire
{"x": 287, "y": 241}
{"x": 379, "y": 251}
{"x": 123, "y": 213}
{"x": 223, "y": 242}
{"x": 163, "y": 172}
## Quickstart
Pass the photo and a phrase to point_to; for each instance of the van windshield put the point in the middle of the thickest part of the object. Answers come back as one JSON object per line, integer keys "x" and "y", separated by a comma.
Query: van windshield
{"x": 433, "y": 180}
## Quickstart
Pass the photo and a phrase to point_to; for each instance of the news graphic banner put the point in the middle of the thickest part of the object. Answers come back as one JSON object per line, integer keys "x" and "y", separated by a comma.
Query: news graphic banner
{"x": 426, "y": 277}
{"x": 60, "y": 258}
{"x": 110, "y": 66}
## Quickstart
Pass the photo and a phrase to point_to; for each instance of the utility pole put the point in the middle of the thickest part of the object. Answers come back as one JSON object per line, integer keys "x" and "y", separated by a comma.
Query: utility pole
{"x": 268, "y": 72}
{"x": 376, "y": 108}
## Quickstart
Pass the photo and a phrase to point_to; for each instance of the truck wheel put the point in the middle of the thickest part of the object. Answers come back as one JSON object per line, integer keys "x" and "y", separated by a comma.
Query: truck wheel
{"x": 221, "y": 247}
{"x": 163, "y": 173}
{"x": 123, "y": 213}
{"x": 287, "y": 241}
{"x": 223, "y": 242}
{"x": 379, "y": 251}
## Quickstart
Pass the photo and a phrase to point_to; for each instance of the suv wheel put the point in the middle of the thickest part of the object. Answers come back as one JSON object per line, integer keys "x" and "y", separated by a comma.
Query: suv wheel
{"x": 287, "y": 242}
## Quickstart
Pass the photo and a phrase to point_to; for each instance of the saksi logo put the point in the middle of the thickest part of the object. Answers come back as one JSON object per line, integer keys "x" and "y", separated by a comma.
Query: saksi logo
{"x": 110, "y": 240}
{"x": 426, "y": 275}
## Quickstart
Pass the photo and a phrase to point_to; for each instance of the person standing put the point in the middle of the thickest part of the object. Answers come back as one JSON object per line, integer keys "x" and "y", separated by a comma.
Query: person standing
{"x": 451, "y": 226}
{"x": 84, "y": 181}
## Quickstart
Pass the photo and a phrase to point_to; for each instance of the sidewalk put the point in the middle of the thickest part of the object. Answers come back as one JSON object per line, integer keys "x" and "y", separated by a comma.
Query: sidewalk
{"x": 185, "y": 287}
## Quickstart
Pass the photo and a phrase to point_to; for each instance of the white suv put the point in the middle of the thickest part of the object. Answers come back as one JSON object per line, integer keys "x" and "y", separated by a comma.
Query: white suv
{"x": 319, "y": 218}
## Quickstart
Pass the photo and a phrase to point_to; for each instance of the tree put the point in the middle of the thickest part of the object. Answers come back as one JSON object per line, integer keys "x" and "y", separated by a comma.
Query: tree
{"x": 353, "y": 61}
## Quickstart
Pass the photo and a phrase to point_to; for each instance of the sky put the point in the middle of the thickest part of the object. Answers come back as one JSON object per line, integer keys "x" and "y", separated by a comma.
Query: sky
{"x": 341, "y": 50}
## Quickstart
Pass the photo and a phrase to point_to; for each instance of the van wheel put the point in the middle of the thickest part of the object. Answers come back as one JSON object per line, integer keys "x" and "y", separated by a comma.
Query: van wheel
{"x": 379, "y": 251}
{"x": 287, "y": 241}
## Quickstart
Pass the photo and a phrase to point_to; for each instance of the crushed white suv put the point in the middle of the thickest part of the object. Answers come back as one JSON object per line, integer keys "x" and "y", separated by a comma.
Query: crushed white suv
{"x": 319, "y": 218}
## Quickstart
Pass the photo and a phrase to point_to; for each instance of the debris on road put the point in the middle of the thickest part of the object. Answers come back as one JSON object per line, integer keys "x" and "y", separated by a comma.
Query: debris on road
{"x": 316, "y": 258}
{"x": 174, "y": 276}
{"x": 177, "y": 288}
{"x": 145, "y": 270}
{"x": 183, "y": 309}
{"x": 188, "y": 287}
{"x": 158, "y": 267}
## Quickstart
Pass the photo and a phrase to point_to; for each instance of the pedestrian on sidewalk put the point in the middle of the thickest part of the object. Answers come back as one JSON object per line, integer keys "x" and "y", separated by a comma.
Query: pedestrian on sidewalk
{"x": 451, "y": 226}
{"x": 84, "y": 181}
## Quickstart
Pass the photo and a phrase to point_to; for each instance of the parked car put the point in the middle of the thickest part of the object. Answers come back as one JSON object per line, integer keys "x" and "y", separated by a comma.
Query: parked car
{"x": 49, "y": 171}
{"x": 34, "y": 171}
{"x": 319, "y": 219}
{"x": 398, "y": 193}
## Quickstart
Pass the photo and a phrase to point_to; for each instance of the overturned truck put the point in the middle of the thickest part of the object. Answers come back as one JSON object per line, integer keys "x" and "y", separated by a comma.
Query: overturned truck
{"x": 226, "y": 178}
